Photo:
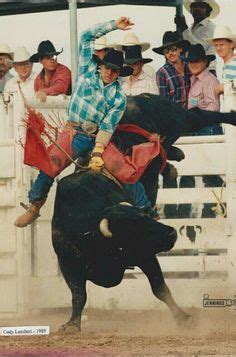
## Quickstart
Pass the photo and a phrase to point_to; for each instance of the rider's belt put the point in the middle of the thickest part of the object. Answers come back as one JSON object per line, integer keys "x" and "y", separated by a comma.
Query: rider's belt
{"x": 88, "y": 127}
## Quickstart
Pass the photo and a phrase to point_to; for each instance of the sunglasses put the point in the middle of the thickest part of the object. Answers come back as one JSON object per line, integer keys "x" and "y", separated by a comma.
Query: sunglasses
{"x": 168, "y": 49}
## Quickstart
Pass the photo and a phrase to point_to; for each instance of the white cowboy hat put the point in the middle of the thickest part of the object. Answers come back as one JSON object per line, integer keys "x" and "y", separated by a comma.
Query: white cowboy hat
{"x": 5, "y": 49}
{"x": 215, "y": 7}
{"x": 21, "y": 55}
{"x": 101, "y": 43}
{"x": 222, "y": 32}
{"x": 131, "y": 39}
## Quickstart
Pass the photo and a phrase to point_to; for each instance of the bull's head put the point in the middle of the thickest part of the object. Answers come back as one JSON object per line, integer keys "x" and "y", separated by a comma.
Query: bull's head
{"x": 104, "y": 228}
{"x": 131, "y": 229}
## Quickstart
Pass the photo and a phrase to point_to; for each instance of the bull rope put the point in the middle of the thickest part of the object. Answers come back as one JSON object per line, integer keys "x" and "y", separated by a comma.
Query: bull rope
{"x": 220, "y": 207}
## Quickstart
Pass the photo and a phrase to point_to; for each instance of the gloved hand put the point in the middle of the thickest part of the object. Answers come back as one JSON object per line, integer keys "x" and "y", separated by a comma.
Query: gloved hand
{"x": 96, "y": 162}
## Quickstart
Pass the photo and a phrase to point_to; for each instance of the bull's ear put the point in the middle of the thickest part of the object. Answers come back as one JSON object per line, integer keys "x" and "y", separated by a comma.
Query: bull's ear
{"x": 104, "y": 228}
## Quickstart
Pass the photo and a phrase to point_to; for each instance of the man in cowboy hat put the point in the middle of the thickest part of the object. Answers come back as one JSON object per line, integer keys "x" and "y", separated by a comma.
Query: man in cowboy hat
{"x": 173, "y": 81}
{"x": 203, "y": 96}
{"x": 55, "y": 78}
{"x": 5, "y": 65}
{"x": 203, "y": 82}
{"x": 131, "y": 39}
{"x": 96, "y": 107}
{"x": 173, "y": 78}
{"x": 139, "y": 81}
{"x": 25, "y": 77}
{"x": 202, "y": 28}
{"x": 224, "y": 42}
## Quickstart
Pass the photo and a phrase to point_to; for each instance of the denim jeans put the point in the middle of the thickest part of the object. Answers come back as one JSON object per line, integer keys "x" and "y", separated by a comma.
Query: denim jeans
{"x": 81, "y": 145}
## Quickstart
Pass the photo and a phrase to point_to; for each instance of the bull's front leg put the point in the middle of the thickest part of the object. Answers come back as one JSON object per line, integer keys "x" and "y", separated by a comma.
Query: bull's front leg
{"x": 152, "y": 270}
{"x": 77, "y": 287}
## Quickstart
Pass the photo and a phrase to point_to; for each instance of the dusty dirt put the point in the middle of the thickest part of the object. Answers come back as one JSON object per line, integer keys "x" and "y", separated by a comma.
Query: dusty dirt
{"x": 127, "y": 333}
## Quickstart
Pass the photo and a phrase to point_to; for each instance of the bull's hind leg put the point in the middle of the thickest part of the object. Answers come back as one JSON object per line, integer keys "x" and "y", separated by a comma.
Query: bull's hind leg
{"x": 152, "y": 270}
{"x": 197, "y": 119}
{"x": 77, "y": 287}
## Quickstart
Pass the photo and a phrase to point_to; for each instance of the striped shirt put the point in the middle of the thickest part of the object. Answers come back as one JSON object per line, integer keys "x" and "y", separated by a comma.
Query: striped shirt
{"x": 202, "y": 92}
{"x": 174, "y": 85}
{"x": 143, "y": 84}
{"x": 91, "y": 100}
{"x": 229, "y": 70}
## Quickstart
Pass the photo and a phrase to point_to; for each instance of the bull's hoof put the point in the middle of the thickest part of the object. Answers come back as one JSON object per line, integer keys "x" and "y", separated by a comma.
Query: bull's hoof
{"x": 183, "y": 319}
{"x": 70, "y": 328}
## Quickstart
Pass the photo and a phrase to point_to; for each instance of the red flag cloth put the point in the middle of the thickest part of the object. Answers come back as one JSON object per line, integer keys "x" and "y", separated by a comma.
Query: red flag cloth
{"x": 51, "y": 160}
{"x": 129, "y": 168}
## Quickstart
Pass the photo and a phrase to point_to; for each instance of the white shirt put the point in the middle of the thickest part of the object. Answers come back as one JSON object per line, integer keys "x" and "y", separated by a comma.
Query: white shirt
{"x": 199, "y": 34}
{"x": 4, "y": 80}
{"x": 27, "y": 86}
{"x": 144, "y": 84}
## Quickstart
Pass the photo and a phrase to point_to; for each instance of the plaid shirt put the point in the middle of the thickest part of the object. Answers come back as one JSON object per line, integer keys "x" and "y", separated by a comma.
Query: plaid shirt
{"x": 173, "y": 85}
{"x": 91, "y": 100}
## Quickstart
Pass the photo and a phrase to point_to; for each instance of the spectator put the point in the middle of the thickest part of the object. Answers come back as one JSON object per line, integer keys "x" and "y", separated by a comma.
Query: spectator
{"x": 139, "y": 82}
{"x": 130, "y": 39}
{"x": 25, "y": 77}
{"x": 224, "y": 42}
{"x": 202, "y": 28}
{"x": 55, "y": 78}
{"x": 202, "y": 95}
{"x": 5, "y": 65}
{"x": 173, "y": 81}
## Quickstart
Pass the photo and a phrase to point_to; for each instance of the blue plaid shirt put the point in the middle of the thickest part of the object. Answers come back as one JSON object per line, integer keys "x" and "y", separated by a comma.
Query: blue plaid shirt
{"x": 174, "y": 85}
{"x": 91, "y": 99}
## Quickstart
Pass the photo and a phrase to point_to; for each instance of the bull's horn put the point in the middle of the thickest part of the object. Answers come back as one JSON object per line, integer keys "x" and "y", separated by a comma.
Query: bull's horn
{"x": 124, "y": 203}
{"x": 104, "y": 228}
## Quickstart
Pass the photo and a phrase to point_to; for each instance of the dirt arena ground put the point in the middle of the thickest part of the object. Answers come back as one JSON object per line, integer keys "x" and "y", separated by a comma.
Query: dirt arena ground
{"x": 127, "y": 333}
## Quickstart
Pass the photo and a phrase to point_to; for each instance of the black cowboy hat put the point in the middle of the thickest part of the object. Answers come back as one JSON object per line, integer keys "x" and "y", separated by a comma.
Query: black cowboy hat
{"x": 133, "y": 54}
{"x": 171, "y": 38}
{"x": 114, "y": 59}
{"x": 197, "y": 52}
{"x": 45, "y": 48}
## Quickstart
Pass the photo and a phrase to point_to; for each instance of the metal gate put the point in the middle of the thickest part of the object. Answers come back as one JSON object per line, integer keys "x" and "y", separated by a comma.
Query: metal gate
{"x": 29, "y": 274}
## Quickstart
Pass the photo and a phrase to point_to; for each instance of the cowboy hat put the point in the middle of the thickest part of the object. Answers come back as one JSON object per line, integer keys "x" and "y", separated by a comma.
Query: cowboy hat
{"x": 133, "y": 54}
{"x": 212, "y": 3}
{"x": 171, "y": 38}
{"x": 21, "y": 55}
{"x": 131, "y": 39}
{"x": 5, "y": 50}
{"x": 45, "y": 48}
{"x": 101, "y": 43}
{"x": 222, "y": 32}
{"x": 197, "y": 52}
{"x": 114, "y": 59}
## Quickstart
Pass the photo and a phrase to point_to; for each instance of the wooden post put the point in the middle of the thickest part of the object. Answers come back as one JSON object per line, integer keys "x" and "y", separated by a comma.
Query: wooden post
{"x": 230, "y": 133}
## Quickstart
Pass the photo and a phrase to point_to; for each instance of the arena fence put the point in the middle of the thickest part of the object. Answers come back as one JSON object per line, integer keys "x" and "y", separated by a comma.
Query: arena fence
{"x": 30, "y": 278}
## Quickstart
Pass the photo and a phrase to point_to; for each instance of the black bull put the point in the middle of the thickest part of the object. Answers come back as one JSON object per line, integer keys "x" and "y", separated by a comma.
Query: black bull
{"x": 88, "y": 210}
